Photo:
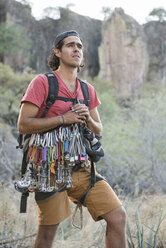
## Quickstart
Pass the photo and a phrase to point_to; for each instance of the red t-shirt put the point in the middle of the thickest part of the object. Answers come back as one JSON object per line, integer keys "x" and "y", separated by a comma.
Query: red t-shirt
{"x": 37, "y": 94}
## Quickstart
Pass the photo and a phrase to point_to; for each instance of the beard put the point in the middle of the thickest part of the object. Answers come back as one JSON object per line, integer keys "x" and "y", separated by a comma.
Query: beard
{"x": 71, "y": 62}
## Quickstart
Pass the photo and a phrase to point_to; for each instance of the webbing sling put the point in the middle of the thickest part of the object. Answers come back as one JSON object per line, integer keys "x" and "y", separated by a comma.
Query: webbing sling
{"x": 52, "y": 97}
{"x": 94, "y": 179}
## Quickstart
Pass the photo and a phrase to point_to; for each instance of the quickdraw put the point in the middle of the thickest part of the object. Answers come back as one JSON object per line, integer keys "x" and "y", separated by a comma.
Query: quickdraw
{"x": 50, "y": 158}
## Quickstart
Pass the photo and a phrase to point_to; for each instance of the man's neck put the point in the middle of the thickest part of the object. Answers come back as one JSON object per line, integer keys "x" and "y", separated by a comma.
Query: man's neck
{"x": 68, "y": 76}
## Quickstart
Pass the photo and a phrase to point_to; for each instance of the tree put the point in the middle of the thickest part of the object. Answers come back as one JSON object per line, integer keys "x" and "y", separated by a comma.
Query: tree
{"x": 159, "y": 13}
{"x": 51, "y": 12}
{"x": 3, "y": 4}
{"x": 26, "y": 2}
{"x": 12, "y": 38}
{"x": 70, "y": 5}
{"x": 106, "y": 11}
{"x": 12, "y": 87}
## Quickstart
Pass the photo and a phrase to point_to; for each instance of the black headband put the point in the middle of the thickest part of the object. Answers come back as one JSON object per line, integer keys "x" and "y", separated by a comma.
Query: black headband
{"x": 65, "y": 34}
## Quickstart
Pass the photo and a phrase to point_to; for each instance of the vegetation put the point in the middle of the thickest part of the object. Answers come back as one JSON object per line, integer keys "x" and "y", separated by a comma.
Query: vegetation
{"x": 134, "y": 164}
{"x": 159, "y": 14}
{"x": 12, "y": 40}
{"x": 19, "y": 230}
{"x": 152, "y": 238}
{"x": 12, "y": 87}
{"x": 51, "y": 12}
{"x": 134, "y": 139}
{"x": 106, "y": 11}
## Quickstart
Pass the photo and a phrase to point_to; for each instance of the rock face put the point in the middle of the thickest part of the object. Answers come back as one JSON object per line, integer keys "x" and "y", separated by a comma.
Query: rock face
{"x": 124, "y": 59}
{"x": 156, "y": 44}
{"x": 130, "y": 54}
{"x": 89, "y": 30}
{"x": 41, "y": 35}
{"x": 20, "y": 20}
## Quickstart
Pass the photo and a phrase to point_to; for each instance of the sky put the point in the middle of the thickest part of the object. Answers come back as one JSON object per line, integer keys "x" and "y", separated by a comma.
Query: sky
{"x": 139, "y": 10}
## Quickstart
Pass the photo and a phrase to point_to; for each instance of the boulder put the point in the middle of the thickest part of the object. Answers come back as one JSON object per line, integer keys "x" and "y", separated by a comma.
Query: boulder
{"x": 123, "y": 55}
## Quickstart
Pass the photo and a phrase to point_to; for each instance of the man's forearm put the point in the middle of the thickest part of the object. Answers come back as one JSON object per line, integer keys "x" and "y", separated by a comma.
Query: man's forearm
{"x": 37, "y": 125}
{"x": 94, "y": 126}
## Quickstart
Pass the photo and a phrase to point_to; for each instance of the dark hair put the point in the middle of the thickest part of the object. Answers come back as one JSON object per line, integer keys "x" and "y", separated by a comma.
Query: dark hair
{"x": 53, "y": 60}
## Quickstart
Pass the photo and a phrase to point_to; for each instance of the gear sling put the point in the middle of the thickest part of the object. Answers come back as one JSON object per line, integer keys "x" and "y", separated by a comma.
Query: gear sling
{"x": 52, "y": 97}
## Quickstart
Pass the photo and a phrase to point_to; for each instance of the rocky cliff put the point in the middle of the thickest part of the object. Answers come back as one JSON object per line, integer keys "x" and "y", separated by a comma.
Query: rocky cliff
{"x": 19, "y": 24}
{"x": 124, "y": 58}
{"x": 90, "y": 32}
{"x": 156, "y": 45}
{"x": 130, "y": 54}
{"x": 42, "y": 34}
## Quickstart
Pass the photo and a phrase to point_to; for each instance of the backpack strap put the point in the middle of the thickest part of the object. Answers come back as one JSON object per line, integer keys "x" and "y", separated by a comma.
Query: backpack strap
{"x": 23, "y": 202}
{"x": 53, "y": 91}
{"x": 84, "y": 88}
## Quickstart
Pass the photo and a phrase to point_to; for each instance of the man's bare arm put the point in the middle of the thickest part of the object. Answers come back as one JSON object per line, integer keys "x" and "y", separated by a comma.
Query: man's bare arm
{"x": 94, "y": 122}
{"x": 29, "y": 123}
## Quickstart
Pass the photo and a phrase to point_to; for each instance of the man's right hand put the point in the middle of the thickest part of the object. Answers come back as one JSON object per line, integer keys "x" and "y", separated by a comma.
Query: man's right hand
{"x": 71, "y": 117}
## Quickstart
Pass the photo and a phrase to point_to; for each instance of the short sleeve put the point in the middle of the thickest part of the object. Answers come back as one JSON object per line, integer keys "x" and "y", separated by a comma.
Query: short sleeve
{"x": 37, "y": 91}
{"x": 94, "y": 100}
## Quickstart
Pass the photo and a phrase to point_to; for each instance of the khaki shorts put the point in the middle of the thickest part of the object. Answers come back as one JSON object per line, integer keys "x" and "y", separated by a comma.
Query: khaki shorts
{"x": 100, "y": 200}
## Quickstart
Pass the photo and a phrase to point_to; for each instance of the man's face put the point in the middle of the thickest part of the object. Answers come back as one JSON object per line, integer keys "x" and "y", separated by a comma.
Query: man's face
{"x": 71, "y": 53}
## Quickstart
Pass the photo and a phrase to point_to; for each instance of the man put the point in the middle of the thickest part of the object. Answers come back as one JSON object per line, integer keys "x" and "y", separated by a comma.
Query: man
{"x": 102, "y": 203}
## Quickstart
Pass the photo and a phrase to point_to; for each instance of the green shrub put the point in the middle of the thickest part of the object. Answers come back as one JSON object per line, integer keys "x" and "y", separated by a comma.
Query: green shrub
{"x": 134, "y": 139}
{"x": 12, "y": 87}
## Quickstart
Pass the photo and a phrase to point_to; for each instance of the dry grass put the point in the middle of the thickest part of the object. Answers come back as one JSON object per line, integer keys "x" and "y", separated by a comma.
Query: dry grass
{"x": 15, "y": 226}
{"x": 150, "y": 208}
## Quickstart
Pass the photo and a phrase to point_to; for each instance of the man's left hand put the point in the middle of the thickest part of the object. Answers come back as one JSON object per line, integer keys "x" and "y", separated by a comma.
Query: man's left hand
{"x": 82, "y": 110}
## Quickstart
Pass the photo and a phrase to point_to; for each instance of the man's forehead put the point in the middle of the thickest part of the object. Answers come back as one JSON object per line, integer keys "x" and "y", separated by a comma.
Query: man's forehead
{"x": 72, "y": 39}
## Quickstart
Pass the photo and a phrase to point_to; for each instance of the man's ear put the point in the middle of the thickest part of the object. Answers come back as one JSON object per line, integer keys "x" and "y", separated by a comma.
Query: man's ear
{"x": 57, "y": 52}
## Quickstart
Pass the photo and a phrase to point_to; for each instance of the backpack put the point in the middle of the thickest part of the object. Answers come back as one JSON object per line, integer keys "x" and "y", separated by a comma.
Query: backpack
{"x": 52, "y": 97}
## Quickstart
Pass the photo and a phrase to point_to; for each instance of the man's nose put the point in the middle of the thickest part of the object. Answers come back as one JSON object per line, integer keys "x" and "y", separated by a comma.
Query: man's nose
{"x": 76, "y": 47}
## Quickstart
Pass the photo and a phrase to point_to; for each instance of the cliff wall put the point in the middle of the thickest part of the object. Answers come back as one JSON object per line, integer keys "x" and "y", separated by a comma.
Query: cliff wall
{"x": 124, "y": 59}
{"x": 130, "y": 54}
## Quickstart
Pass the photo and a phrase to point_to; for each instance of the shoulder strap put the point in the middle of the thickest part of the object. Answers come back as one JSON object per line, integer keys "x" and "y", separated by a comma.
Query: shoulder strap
{"x": 52, "y": 92}
{"x": 84, "y": 88}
